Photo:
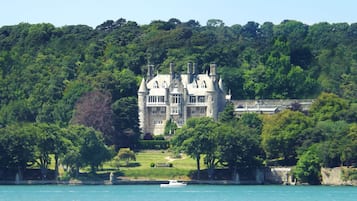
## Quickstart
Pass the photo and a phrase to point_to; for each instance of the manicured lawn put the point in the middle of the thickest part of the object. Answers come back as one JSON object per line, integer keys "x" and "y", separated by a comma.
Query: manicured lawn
{"x": 141, "y": 168}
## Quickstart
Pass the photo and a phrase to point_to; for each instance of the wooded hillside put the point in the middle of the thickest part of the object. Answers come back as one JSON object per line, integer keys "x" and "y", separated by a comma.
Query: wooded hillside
{"x": 51, "y": 67}
{"x": 53, "y": 77}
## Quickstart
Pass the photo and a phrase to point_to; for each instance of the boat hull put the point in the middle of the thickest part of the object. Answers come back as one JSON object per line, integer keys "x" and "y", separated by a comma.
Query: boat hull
{"x": 173, "y": 184}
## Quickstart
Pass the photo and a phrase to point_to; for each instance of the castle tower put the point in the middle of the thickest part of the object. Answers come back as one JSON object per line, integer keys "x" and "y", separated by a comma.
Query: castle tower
{"x": 142, "y": 92}
{"x": 212, "y": 109}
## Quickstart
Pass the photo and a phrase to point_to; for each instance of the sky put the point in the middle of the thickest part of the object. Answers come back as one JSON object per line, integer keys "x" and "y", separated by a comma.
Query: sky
{"x": 95, "y": 12}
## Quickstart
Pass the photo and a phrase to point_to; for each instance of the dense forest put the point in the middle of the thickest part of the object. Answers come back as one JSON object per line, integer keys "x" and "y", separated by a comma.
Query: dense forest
{"x": 53, "y": 78}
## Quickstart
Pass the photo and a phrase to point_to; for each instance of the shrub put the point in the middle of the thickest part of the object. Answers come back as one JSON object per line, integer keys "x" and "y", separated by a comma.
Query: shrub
{"x": 152, "y": 165}
{"x": 159, "y": 137}
{"x": 308, "y": 168}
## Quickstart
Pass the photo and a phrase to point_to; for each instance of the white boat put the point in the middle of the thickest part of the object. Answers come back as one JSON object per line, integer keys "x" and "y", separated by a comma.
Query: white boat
{"x": 173, "y": 183}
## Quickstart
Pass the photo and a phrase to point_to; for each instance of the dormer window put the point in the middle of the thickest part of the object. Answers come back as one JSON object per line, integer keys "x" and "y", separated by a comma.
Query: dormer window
{"x": 195, "y": 84}
{"x": 164, "y": 85}
{"x": 203, "y": 84}
{"x": 156, "y": 84}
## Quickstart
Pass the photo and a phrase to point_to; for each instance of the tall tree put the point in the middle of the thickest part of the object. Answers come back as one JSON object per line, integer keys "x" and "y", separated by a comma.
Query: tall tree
{"x": 93, "y": 151}
{"x": 328, "y": 106}
{"x": 18, "y": 149}
{"x": 197, "y": 137}
{"x": 238, "y": 147}
{"x": 282, "y": 135}
{"x": 93, "y": 109}
{"x": 126, "y": 122}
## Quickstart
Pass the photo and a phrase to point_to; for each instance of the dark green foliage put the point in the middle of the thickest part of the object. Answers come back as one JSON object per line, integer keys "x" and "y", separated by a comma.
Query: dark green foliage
{"x": 93, "y": 151}
{"x": 45, "y": 69}
{"x": 17, "y": 147}
{"x": 198, "y": 137}
{"x": 329, "y": 106}
{"x": 227, "y": 115}
{"x": 238, "y": 147}
{"x": 170, "y": 127}
{"x": 126, "y": 122}
{"x": 307, "y": 169}
{"x": 282, "y": 135}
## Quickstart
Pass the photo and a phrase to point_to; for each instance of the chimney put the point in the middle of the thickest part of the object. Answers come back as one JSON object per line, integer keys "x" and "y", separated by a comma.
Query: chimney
{"x": 213, "y": 72}
{"x": 194, "y": 71}
{"x": 150, "y": 73}
{"x": 171, "y": 70}
{"x": 189, "y": 72}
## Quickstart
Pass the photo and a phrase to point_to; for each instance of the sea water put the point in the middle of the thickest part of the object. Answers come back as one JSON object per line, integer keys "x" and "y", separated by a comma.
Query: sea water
{"x": 188, "y": 193}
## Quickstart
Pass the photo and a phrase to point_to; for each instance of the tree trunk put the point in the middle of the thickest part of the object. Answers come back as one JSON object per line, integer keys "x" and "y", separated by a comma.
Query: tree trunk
{"x": 211, "y": 168}
{"x": 56, "y": 166}
{"x": 20, "y": 173}
{"x": 234, "y": 173}
{"x": 198, "y": 167}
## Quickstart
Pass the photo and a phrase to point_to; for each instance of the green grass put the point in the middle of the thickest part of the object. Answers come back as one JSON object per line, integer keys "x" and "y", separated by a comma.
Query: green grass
{"x": 141, "y": 169}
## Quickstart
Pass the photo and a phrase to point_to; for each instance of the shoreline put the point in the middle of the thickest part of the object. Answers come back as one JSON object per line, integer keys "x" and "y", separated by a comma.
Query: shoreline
{"x": 125, "y": 182}
{"x": 150, "y": 182}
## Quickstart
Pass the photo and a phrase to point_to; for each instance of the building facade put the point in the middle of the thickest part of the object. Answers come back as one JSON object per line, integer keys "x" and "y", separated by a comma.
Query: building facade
{"x": 178, "y": 97}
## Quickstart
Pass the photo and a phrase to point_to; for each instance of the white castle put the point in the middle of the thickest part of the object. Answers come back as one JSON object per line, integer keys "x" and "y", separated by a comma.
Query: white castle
{"x": 178, "y": 97}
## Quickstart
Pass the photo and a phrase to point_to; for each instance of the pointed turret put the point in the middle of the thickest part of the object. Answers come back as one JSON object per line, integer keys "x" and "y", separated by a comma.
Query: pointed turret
{"x": 143, "y": 88}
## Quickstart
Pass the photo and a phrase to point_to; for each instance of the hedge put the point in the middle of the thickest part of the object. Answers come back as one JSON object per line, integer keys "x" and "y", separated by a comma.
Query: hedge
{"x": 153, "y": 144}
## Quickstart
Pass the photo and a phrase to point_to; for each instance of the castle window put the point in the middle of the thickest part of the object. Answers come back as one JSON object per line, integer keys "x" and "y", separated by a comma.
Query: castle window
{"x": 192, "y": 99}
{"x": 201, "y": 99}
{"x": 161, "y": 99}
{"x": 156, "y": 99}
{"x": 155, "y": 110}
{"x": 175, "y": 110}
{"x": 157, "y": 122}
{"x": 152, "y": 99}
{"x": 176, "y": 98}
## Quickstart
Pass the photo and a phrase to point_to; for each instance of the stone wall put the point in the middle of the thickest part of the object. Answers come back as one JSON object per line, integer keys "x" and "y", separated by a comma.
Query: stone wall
{"x": 329, "y": 176}
{"x": 333, "y": 176}
{"x": 278, "y": 175}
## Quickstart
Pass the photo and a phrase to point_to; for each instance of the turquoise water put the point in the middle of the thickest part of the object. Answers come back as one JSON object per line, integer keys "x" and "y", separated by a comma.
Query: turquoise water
{"x": 189, "y": 193}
